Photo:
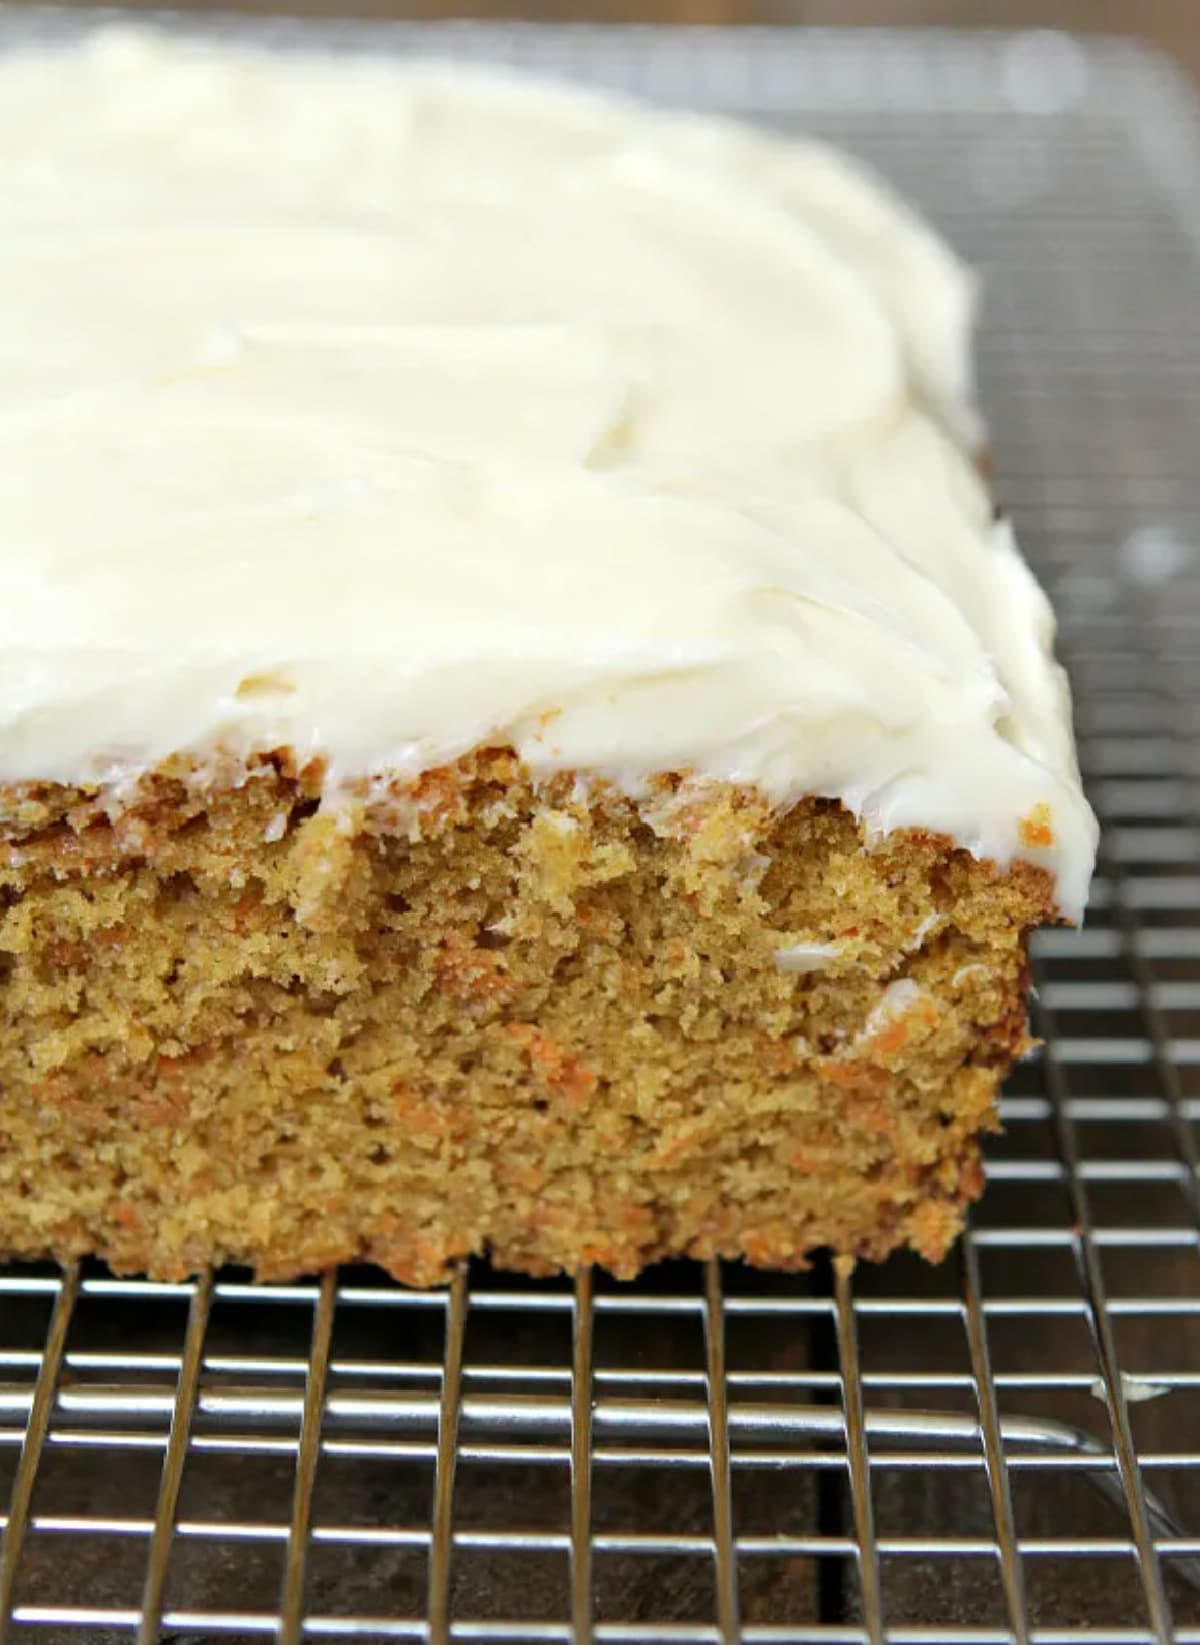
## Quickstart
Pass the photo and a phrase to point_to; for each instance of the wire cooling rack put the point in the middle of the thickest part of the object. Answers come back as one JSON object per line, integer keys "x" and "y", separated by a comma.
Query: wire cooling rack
{"x": 1004, "y": 1448}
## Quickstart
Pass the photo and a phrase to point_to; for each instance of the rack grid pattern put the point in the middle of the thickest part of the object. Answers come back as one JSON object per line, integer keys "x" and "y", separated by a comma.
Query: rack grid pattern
{"x": 1002, "y": 1449}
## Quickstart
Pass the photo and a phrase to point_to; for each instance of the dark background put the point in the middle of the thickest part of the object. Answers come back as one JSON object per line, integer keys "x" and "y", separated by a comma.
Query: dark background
{"x": 1171, "y": 24}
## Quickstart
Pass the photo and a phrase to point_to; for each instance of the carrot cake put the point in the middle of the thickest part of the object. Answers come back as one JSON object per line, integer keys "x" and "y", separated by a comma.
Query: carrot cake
{"x": 520, "y": 728}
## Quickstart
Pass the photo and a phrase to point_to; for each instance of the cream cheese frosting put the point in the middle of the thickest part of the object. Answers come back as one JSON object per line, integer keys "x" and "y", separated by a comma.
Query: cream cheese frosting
{"x": 383, "y": 409}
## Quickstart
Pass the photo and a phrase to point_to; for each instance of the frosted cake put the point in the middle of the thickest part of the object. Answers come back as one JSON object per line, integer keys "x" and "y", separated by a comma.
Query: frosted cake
{"x": 520, "y": 728}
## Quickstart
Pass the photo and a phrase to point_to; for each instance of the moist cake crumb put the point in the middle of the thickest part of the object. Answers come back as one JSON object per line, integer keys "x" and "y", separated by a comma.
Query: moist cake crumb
{"x": 534, "y": 1021}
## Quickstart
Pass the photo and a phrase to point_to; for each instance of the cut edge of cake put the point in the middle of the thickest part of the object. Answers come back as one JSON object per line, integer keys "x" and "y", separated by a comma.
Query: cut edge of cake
{"x": 537, "y": 1020}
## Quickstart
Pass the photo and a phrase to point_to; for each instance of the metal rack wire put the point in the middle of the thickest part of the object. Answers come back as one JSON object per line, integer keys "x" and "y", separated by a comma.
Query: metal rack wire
{"x": 1005, "y": 1448}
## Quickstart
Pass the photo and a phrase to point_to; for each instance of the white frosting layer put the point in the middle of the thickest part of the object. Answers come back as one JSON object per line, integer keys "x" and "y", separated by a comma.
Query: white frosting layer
{"x": 382, "y": 410}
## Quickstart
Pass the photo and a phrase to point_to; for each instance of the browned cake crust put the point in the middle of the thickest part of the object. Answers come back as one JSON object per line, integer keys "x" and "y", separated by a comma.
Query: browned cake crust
{"x": 546, "y": 1022}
